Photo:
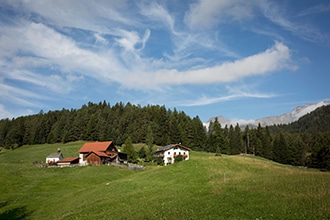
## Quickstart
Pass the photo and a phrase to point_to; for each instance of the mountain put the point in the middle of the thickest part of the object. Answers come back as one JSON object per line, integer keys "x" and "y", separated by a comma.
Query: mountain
{"x": 286, "y": 118}
{"x": 313, "y": 122}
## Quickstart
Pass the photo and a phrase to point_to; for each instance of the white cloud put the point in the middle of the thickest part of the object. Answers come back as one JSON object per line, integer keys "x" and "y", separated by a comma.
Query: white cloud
{"x": 131, "y": 41}
{"x": 98, "y": 16}
{"x": 100, "y": 39}
{"x": 155, "y": 12}
{"x": 206, "y": 13}
{"x": 233, "y": 94}
{"x": 4, "y": 113}
{"x": 48, "y": 47}
{"x": 50, "y": 53}
{"x": 275, "y": 58}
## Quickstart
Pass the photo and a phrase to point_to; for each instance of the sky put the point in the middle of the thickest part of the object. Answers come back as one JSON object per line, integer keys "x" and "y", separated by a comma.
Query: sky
{"x": 235, "y": 58}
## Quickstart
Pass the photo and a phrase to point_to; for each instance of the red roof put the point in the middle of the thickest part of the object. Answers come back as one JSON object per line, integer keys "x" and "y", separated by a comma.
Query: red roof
{"x": 95, "y": 146}
{"x": 100, "y": 154}
{"x": 68, "y": 159}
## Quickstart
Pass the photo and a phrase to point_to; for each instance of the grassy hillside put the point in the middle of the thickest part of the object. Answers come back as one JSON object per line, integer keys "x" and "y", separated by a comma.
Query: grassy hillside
{"x": 205, "y": 187}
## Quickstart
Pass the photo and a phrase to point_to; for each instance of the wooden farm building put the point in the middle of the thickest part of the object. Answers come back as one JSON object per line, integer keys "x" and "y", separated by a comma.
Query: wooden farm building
{"x": 97, "y": 153}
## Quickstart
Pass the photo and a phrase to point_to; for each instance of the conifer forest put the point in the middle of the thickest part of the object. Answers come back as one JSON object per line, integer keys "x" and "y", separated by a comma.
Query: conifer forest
{"x": 305, "y": 142}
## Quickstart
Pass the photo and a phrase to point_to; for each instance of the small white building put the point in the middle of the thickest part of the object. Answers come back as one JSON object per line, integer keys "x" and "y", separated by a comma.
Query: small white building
{"x": 54, "y": 157}
{"x": 169, "y": 152}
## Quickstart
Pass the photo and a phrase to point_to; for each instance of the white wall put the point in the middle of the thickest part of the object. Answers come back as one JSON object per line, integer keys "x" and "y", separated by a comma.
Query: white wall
{"x": 169, "y": 155}
{"x": 53, "y": 159}
{"x": 81, "y": 159}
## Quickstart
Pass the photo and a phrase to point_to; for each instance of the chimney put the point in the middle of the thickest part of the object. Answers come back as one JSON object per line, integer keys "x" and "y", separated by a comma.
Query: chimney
{"x": 58, "y": 150}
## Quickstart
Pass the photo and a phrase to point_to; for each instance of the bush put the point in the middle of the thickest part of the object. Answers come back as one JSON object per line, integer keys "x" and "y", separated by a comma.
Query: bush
{"x": 159, "y": 161}
{"x": 179, "y": 158}
{"x": 217, "y": 152}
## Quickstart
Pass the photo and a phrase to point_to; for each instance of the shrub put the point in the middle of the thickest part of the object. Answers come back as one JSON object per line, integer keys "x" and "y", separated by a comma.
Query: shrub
{"x": 217, "y": 151}
{"x": 179, "y": 158}
{"x": 159, "y": 161}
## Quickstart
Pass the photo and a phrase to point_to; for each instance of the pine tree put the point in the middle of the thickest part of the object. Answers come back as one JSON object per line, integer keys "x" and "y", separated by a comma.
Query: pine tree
{"x": 281, "y": 153}
{"x": 142, "y": 153}
{"x": 91, "y": 133}
{"x": 215, "y": 137}
{"x": 150, "y": 143}
{"x": 235, "y": 140}
{"x": 246, "y": 139}
{"x": 129, "y": 149}
{"x": 267, "y": 145}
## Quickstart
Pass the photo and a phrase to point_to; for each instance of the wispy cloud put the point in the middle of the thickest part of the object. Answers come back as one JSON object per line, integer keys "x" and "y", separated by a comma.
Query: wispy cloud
{"x": 274, "y": 13}
{"x": 131, "y": 40}
{"x": 62, "y": 53}
{"x": 99, "y": 16}
{"x": 159, "y": 16}
{"x": 234, "y": 93}
{"x": 149, "y": 47}
{"x": 18, "y": 96}
{"x": 206, "y": 13}
{"x": 322, "y": 8}
{"x": 4, "y": 113}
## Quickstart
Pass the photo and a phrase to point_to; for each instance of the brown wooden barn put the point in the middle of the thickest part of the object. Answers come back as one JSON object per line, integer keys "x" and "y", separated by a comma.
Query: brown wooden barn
{"x": 97, "y": 153}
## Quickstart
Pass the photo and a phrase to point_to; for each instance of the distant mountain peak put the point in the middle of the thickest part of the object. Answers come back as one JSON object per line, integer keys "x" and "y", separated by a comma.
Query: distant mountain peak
{"x": 286, "y": 118}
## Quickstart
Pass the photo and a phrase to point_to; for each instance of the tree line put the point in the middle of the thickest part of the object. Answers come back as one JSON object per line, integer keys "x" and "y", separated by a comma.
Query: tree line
{"x": 302, "y": 143}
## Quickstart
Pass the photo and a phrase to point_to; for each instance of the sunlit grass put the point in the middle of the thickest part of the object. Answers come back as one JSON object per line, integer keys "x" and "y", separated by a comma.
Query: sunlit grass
{"x": 205, "y": 187}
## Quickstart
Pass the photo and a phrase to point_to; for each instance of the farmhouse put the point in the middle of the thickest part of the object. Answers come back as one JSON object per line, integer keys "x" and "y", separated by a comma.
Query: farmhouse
{"x": 53, "y": 158}
{"x": 169, "y": 152}
{"x": 100, "y": 153}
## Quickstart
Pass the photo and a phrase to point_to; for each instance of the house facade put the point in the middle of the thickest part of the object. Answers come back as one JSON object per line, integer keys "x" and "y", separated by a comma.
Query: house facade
{"x": 169, "y": 152}
{"x": 97, "y": 153}
{"x": 53, "y": 158}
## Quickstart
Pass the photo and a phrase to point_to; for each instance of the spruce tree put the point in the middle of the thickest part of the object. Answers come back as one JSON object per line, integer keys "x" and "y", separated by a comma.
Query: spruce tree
{"x": 129, "y": 149}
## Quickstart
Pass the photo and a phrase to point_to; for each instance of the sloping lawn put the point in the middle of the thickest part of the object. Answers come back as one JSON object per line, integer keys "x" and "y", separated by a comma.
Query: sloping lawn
{"x": 205, "y": 187}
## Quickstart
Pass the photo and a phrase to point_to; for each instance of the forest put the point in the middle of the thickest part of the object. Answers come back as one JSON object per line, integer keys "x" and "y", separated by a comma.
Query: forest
{"x": 305, "y": 142}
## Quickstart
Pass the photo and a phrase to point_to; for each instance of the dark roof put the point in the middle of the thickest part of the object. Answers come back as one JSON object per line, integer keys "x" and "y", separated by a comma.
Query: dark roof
{"x": 68, "y": 159}
{"x": 55, "y": 155}
{"x": 167, "y": 147}
{"x": 95, "y": 146}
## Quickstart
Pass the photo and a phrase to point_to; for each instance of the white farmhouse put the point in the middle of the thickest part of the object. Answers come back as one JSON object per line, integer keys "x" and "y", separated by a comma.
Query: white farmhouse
{"x": 169, "y": 152}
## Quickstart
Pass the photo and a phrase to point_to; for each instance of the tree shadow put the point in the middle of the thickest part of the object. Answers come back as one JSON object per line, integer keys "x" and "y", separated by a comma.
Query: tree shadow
{"x": 17, "y": 213}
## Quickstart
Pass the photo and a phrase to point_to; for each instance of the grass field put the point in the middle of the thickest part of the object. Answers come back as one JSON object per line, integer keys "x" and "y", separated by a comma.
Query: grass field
{"x": 205, "y": 187}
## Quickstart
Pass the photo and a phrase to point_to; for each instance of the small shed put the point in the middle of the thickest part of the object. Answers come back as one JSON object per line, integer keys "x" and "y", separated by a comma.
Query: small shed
{"x": 68, "y": 161}
{"x": 53, "y": 158}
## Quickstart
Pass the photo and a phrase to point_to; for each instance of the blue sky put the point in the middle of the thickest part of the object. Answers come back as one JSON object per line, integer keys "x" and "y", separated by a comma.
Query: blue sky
{"x": 236, "y": 58}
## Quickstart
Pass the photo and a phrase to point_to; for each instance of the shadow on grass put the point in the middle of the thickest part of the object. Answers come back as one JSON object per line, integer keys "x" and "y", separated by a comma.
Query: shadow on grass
{"x": 18, "y": 213}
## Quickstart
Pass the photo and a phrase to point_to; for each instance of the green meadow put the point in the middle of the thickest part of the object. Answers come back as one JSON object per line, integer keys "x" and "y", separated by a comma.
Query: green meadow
{"x": 205, "y": 187}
